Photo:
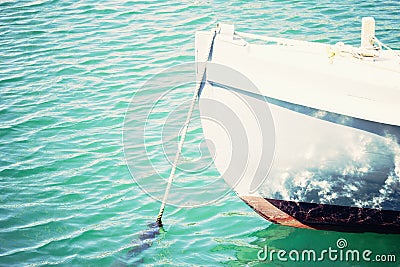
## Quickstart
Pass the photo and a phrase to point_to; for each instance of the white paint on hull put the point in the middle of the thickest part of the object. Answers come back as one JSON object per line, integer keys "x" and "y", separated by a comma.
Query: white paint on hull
{"x": 314, "y": 160}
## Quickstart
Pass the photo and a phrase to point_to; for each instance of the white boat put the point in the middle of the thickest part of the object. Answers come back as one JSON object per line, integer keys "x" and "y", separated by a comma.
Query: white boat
{"x": 307, "y": 134}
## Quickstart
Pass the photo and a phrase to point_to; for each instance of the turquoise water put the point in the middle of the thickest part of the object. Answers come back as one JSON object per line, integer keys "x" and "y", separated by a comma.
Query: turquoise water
{"x": 68, "y": 71}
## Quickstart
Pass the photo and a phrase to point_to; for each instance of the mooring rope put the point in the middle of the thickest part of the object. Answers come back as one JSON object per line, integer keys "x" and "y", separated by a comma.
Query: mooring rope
{"x": 277, "y": 40}
{"x": 374, "y": 39}
{"x": 184, "y": 132}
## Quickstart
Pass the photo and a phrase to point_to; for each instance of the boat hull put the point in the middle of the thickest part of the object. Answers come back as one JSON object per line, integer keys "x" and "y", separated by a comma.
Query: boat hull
{"x": 298, "y": 162}
{"x": 324, "y": 216}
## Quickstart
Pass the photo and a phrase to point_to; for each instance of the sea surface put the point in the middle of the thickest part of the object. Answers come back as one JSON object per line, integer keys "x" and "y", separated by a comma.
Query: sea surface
{"x": 70, "y": 193}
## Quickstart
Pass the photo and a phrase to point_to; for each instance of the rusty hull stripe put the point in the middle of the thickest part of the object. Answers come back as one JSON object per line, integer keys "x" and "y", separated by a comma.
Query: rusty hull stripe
{"x": 272, "y": 213}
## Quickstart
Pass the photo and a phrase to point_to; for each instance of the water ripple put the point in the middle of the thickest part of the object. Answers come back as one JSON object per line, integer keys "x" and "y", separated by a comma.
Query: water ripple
{"x": 68, "y": 70}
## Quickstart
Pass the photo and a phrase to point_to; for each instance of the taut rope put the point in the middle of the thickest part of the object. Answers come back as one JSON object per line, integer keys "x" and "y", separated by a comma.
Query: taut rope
{"x": 185, "y": 129}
